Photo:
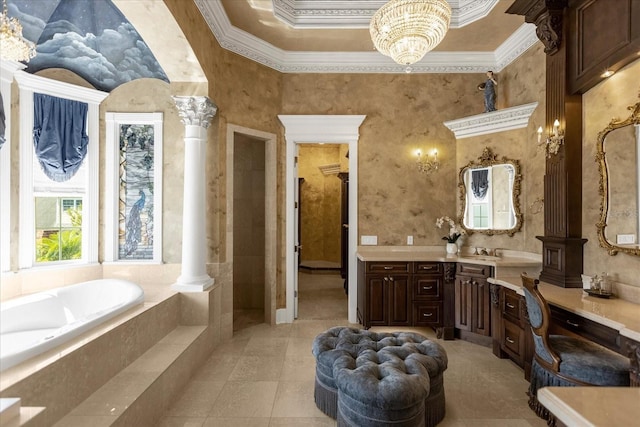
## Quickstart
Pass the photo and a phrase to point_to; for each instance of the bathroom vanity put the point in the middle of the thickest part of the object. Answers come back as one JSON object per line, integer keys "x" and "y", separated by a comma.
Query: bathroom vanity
{"x": 423, "y": 286}
{"x": 613, "y": 323}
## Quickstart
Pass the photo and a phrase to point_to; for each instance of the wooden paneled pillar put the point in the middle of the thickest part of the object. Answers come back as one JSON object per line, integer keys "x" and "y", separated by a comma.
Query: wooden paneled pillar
{"x": 562, "y": 243}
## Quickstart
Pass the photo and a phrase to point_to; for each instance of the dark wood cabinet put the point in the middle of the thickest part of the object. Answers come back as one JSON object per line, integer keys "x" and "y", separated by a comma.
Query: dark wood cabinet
{"x": 513, "y": 339}
{"x": 406, "y": 294}
{"x": 386, "y": 294}
{"x": 472, "y": 299}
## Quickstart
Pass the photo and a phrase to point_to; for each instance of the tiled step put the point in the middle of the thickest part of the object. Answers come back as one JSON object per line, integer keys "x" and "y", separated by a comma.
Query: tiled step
{"x": 140, "y": 393}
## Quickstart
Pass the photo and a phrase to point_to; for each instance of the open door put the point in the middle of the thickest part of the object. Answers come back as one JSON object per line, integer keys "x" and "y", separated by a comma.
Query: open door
{"x": 296, "y": 230}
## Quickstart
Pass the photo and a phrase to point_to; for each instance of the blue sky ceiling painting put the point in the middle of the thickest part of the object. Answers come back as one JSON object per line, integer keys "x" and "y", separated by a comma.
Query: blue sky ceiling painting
{"x": 92, "y": 38}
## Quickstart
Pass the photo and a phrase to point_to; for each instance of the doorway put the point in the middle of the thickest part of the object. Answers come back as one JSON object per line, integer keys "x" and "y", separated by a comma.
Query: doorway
{"x": 309, "y": 129}
{"x": 250, "y": 235}
{"x": 321, "y": 242}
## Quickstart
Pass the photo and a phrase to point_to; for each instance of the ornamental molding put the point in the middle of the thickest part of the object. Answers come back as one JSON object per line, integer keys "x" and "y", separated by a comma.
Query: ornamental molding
{"x": 358, "y": 13}
{"x": 245, "y": 44}
{"x": 195, "y": 110}
{"x": 493, "y": 122}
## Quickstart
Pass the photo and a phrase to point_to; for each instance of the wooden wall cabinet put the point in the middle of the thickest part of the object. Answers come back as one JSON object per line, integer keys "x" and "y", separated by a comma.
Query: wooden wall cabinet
{"x": 472, "y": 299}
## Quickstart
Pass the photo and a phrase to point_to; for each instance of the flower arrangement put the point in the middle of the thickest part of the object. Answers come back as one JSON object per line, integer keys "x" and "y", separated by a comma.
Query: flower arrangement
{"x": 455, "y": 231}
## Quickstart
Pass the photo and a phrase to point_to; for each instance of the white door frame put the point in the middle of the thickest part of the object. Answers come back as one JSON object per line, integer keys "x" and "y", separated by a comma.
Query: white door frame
{"x": 309, "y": 129}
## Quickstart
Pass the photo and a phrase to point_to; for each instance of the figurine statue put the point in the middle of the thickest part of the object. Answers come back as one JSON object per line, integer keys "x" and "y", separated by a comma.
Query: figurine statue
{"x": 489, "y": 88}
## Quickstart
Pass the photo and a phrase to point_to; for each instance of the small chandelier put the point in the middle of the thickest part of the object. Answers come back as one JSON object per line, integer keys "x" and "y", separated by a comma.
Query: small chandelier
{"x": 13, "y": 46}
{"x": 406, "y": 30}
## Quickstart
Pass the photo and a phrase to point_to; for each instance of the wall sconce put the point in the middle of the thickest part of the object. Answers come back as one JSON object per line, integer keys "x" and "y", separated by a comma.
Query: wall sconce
{"x": 429, "y": 163}
{"x": 551, "y": 143}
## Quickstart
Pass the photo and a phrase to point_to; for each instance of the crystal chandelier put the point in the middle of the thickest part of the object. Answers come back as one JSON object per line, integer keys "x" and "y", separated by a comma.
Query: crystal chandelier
{"x": 406, "y": 30}
{"x": 13, "y": 46}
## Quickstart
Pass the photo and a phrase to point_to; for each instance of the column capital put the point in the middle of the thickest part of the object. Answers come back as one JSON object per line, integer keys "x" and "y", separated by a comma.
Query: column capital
{"x": 195, "y": 110}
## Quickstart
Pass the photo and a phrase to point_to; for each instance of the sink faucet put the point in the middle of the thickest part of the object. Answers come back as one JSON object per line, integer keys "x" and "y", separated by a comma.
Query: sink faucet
{"x": 483, "y": 251}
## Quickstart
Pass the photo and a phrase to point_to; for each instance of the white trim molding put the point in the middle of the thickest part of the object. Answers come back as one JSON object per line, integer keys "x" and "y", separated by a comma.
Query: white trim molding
{"x": 7, "y": 69}
{"x": 495, "y": 121}
{"x": 112, "y": 183}
{"x": 341, "y": 14}
{"x": 256, "y": 49}
{"x": 330, "y": 129}
{"x": 29, "y": 84}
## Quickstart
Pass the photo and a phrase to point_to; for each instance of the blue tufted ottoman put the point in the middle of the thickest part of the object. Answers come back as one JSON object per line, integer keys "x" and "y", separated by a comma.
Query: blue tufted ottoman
{"x": 337, "y": 349}
{"x": 383, "y": 389}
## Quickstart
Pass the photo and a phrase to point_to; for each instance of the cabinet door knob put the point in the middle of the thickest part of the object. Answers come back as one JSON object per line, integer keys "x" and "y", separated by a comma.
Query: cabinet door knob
{"x": 391, "y": 279}
{"x": 511, "y": 306}
{"x": 427, "y": 288}
{"x": 574, "y": 324}
{"x": 427, "y": 314}
{"x": 388, "y": 267}
{"x": 510, "y": 341}
{"x": 427, "y": 267}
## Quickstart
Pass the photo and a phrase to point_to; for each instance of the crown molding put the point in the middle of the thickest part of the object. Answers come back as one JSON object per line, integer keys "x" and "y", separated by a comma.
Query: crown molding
{"x": 242, "y": 43}
{"x": 495, "y": 121}
{"x": 358, "y": 13}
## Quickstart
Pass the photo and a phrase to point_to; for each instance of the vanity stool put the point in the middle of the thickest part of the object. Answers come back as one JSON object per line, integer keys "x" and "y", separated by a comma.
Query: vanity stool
{"x": 566, "y": 361}
{"x": 341, "y": 348}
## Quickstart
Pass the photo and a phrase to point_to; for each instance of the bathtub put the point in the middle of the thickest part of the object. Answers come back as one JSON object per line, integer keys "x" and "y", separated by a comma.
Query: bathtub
{"x": 33, "y": 324}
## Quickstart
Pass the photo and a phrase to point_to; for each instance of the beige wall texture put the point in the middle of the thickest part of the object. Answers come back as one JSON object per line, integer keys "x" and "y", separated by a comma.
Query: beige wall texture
{"x": 248, "y": 223}
{"x": 320, "y": 202}
{"x": 600, "y": 105}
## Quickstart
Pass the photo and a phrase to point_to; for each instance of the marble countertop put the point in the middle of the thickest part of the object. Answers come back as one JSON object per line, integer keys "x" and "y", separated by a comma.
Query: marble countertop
{"x": 592, "y": 406}
{"x": 621, "y": 315}
{"x": 507, "y": 258}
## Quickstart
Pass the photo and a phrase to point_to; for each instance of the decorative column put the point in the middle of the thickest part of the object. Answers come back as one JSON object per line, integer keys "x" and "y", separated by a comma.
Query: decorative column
{"x": 196, "y": 113}
{"x": 562, "y": 243}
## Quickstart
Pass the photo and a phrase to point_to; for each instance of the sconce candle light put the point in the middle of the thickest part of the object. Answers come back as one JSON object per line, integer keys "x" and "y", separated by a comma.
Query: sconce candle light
{"x": 552, "y": 143}
{"x": 429, "y": 163}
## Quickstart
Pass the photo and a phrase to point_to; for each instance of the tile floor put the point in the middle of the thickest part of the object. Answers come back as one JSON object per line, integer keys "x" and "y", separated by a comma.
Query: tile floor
{"x": 264, "y": 376}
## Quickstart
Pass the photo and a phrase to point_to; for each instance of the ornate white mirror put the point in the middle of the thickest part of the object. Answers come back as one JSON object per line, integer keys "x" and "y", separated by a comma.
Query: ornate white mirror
{"x": 490, "y": 195}
{"x": 618, "y": 156}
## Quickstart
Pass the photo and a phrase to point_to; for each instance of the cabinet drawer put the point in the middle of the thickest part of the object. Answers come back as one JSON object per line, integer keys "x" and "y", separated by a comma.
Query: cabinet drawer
{"x": 473, "y": 270}
{"x": 428, "y": 268}
{"x": 511, "y": 305}
{"x": 427, "y": 287}
{"x": 386, "y": 267}
{"x": 427, "y": 313}
{"x": 512, "y": 339}
{"x": 585, "y": 328}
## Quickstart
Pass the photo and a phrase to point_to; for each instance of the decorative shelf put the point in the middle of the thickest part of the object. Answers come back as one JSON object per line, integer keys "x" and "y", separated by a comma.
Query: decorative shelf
{"x": 495, "y": 121}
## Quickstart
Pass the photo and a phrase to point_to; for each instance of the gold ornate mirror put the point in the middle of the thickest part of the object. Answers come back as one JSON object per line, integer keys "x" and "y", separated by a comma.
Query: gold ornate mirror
{"x": 490, "y": 195}
{"x": 618, "y": 156}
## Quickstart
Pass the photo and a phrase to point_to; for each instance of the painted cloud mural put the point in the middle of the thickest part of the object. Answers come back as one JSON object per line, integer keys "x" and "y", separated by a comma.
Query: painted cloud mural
{"x": 92, "y": 38}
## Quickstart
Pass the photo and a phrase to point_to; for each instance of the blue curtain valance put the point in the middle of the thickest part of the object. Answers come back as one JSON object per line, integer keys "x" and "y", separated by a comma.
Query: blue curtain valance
{"x": 480, "y": 183}
{"x": 59, "y": 135}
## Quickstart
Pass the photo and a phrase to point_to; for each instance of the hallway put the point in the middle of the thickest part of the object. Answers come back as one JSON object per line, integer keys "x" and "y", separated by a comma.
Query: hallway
{"x": 264, "y": 375}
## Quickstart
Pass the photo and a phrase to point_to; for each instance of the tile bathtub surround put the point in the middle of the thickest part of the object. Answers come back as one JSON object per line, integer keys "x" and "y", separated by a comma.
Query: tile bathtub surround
{"x": 264, "y": 376}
